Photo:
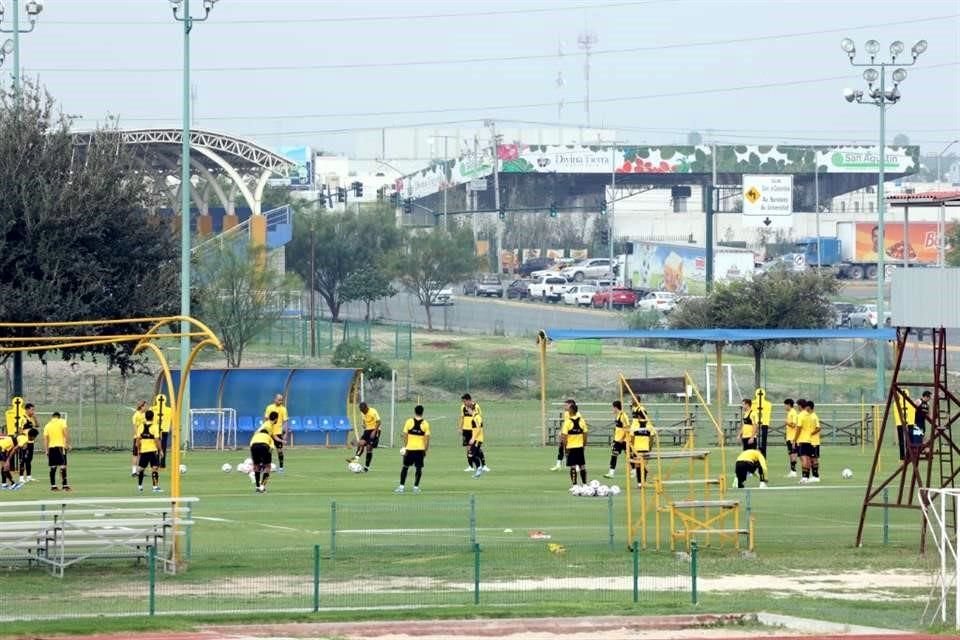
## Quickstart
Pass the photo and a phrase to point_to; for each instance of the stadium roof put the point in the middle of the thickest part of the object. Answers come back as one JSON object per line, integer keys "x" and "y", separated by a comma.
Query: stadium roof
{"x": 926, "y": 199}
{"x": 721, "y": 335}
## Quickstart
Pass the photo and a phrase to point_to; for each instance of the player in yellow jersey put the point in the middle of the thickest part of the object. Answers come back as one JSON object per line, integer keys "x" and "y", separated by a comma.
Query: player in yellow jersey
{"x": 29, "y": 430}
{"x": 8, "y": 453}
{"x": 790, "y": 432}
{"x": 573, "y": 437}
{"x": 262, "y": 446}
{"x": 163, "y": 417}
{"x": 751, "y": 462}
{"x": 748, "y": 429}
{"x": 476, "y": 454}
{"x": 279, "y": 426}
{"x": 416, "y": 443}
{"x": 468, "y": 409}
{"x": 137, "y": 419}
{"x": 809, "y": 425}
{"x": 621, "y": 427}
{"x": 148, "y": 450}
{"x": 815, "y": 441}
{"x": 564, "y": 415}
{"x": 370, "y": 437}
{"x": 642, "y": 438}
{"x": 56, "y": 440}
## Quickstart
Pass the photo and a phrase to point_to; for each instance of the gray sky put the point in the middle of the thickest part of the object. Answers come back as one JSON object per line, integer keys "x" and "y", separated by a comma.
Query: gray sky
{"x": 123, "y": 57}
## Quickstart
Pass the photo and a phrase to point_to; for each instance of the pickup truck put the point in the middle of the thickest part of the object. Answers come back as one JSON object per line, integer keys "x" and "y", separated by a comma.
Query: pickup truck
{"x": 548, "y": 288}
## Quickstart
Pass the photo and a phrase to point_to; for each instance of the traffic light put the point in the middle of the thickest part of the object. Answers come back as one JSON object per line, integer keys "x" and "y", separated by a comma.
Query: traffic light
{"x": 382, "y": 194}
{"x": 408, "y": 205}
{"x": 358, "y": 189}
{"x": 341, "y": 194}
{"x": 502, "y": 214}
{"x": 605, "y": 236}
{"x": 603, "y": 206}
{"x": 554, "y": 209}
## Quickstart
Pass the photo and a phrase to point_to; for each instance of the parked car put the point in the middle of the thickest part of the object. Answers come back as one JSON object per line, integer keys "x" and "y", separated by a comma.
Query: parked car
{"x": 843, "y": 311}
{"x": 534, "y": 264}
{"x": 548, "y": 288}
{"x": 592, "y": 268}
{"x": 441, "y": 297}
{"x": 866, "y": 316}
{"x": 663, "y": 301}
{"x": 487, "y": 285}
{"x": 580, "y": 295}
{"x": 617, "y": 297}
{"x": 600, "y": 284}
{"x": 518, "y": 289}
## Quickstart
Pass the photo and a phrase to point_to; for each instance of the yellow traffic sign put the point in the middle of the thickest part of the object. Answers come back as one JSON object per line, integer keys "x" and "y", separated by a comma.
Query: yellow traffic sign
{"x": 752, "y": 194}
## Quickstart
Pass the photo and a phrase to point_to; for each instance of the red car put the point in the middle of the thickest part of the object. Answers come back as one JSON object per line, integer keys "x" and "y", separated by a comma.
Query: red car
{"x": 621, "y": 297}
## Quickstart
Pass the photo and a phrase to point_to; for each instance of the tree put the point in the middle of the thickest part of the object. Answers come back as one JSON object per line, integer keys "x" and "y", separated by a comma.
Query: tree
{"x": 239, "y": 295}
{"x": 327, "y": 247}
{"x": 901, "y": 140}
{"x": 694, "y": 138}
{"x": 953, "y": 245}
{"x": 369, "y": 284}
{"x": 76, "y": 242}
{"x": 434, "y": 260}
{"x": 779, "y": 299}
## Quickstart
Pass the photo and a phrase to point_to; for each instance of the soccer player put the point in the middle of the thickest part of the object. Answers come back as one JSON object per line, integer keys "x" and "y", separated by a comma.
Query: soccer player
{"x": 815, "y": 441}
{"x": 573, "y": 438}
{"x": 642, "y": 436}
{"x": 748, "y": 430}
{"x": 920, "y": 423}
{"x": 808, "y": 423}
{"x": 763, "y": 410}
{"x": 163, "y": 416}
{"x": 751, "y": 462}
{"x": 137, "y": 419}
{"x": 371, "y": 435}
{"x": 149, "y": 439}
{"x": 476, "y": 445}
{"x": 8, "y": 452}
{"x": 465, "y": 422}
{"x": 904, "y": 416}
{"x": 621, "y": 426}
{"x": 279, "y": 426}
{"x": 563, "y": 419}
{"x": 56, "y": 440}
{"x": 416, "y": 443}
{"x": 29, "y": 431}
{"x": 262, "y": 445}
{"x": 790, "y": 431}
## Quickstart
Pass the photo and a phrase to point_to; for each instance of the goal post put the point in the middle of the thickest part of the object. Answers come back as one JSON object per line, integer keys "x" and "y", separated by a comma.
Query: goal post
{"x": 213, "y": 429}
{"x": 941, "y": 513}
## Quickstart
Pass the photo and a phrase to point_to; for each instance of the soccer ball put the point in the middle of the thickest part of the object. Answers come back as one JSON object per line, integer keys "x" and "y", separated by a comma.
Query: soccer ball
{"x": 588, "y": 491}
{"x": 614, "y": 490}
{"x": 575, "y": 490}
{"x": 248, "y": 461}
{"x": 355, "y": 467}
{"x": 183, "y": 469}
{"x": 226, "y": 468}
{"x": 273, "y": 466}
{"x": 245, "y": 468}
{"x": 603, "y": 491}
{"x": 846, "y": 474}
{"x": 594, "y": 483}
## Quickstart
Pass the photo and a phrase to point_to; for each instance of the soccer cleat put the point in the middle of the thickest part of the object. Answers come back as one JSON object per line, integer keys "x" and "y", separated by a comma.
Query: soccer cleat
{"x": 468, "y": 469}
{"x": 133, "y": 474}
{"x": 555, "y": 467}
{"x": 815, "y": 479}
{"x": 416, "y": 490}
{"x": 792, "y": 474}
{"x": 21, "y": 480}
{"x": 486, "y": 469}
{"x": 609, "y": 474}
{"x": 4, "y": 487}
{"x": 15, "y": 486}
{"x": 66, "y": 488}
{"x": 366, "y": 469}
{"x": 280, "y": 470}
{"x": 139, "y": 488}
{"x": 399, "y": 489}
{"x": 803, "y": 481}
{"x": 30, "y": 479}
{"x": 763, "y": 485}
{"x": 157, "y": 490}
{"x": 54, "y": 488}
{"x": 478, "y": 472}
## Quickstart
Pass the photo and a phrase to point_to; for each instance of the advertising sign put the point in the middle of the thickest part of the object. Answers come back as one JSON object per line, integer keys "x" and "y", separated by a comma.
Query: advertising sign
{"x": 300, "y": 176}
{"x": 921, "y": 248}
{"x": 682, "y": 269}
{"x": 767, "y": 195}
{"x": 864, "y": 159}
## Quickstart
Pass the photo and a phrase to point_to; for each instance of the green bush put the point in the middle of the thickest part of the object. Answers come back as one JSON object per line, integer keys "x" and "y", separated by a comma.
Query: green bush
{"x": 502, "y": 376}
{"x": 353, "y": 354}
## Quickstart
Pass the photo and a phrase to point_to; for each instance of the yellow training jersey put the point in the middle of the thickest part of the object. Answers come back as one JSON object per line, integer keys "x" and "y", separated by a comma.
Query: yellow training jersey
{"x": 752, "y": 455}
{"x": 6, "y": 444}
{"x": 621, "y": 426}
{"x": 463, "y": 414}
{"x": 793, "y": 419}
{"x": 575, "y": 428}
{"x": 55, "y": 433}
{"x": 162, "y": 414}
{"x": 642, "y": 434}
{"x": 32, "y": 428}
{"x": 22, "y": 440}
{"x": 815, "y": 433}
{"x": 903, "y": 411}
{"x": 807, "y": 424}
{"x": 149, "y": 437}
{"x": 138, "y": 418}
{"x": 749, "y": 428}
{"x": 371, "y": 419}
{"x": 417, "y": 431}
{"x": 477, "y": 429}
{"x": 263, "y": 435}
{"x": 281, "y": 409}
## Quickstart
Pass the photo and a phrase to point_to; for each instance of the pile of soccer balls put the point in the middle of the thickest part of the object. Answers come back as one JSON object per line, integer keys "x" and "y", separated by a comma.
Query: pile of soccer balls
{"x": 594, "y": 490}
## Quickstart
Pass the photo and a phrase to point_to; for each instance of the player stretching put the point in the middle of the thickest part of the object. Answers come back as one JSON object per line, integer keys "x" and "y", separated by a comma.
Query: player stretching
{"x": 371, "y": 435}
{"x": 149, "y": 448}
{"x": 620, "y": 428}
{"x": 8, "y": 453}
{"x": 416, "y": 442}
{"x": 563, "y": 420}
{"x": 262, "y": 445}
{"x": 573, "y": 439}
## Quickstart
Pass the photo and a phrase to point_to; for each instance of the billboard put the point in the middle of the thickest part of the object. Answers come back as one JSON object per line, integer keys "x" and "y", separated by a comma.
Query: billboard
{"x": 853, "y": 159}
{"x": 682, "y": 269}
{"x": 301, "y": 175}
{"x": 922, "y": 247}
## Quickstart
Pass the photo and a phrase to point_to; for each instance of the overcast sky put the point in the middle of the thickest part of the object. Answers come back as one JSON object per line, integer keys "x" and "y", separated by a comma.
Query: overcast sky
{"x": 124, "y": 57}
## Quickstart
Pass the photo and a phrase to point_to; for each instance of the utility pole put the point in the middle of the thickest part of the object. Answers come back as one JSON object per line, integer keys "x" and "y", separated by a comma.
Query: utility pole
{"x": 496, "y": 189}
{"x": 586, "y": 40}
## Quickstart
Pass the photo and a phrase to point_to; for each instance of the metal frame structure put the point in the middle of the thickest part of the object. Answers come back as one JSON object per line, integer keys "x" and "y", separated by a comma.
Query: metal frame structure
{"x": 938, "y": 506}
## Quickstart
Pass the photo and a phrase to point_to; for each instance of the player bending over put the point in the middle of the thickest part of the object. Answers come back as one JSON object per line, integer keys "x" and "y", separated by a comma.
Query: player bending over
{"x": 371, "y": 435}
{"x": 262, "y": 445}
{"x": 751, "y": 462}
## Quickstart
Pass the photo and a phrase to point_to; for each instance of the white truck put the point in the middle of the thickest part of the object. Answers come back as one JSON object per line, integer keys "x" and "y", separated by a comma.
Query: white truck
{"x": 548, "y": 288}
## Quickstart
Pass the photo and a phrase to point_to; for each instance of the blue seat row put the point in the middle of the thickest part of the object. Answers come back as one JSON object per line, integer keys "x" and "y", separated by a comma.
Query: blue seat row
{"x": 300, "y": 423}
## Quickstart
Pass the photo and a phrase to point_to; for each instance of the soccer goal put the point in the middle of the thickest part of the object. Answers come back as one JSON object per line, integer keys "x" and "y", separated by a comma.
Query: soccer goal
{"x": 941, "y": 511}
{"x": 213, "y": 429}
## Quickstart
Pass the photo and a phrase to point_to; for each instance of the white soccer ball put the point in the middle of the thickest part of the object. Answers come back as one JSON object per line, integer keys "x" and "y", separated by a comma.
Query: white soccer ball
{"x": 588, "y": 491}
{"x": 248, "y": 461}
{"x": 226, "y": 468}
{"x": 244, "y": 468}
{"x": 273, "y": 466}
{"x": 603, "y": 491}
{"x": 846, "y": 474}
{"x": 575, "y": 490}
{"x": 355, "y": 467}
{"x": 183, "y": 469}
{"x": 614, "y": 490}
{"x": 594, "y": 483}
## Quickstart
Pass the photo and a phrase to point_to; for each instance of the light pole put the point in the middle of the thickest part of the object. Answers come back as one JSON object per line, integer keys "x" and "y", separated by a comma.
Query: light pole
{"x": 446, "y": 173}
{"x": 33, "y": 8}
{"x": 940, "y": 158}
{"x": 181, "y": 13}
{"x": 878, "y": 95}
{"x": 941, "y": 221}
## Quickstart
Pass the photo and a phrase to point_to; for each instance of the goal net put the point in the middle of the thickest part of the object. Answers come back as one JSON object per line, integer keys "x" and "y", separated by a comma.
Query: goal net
{"x": 941, "y": 512}
{"x": 213, "y": 429}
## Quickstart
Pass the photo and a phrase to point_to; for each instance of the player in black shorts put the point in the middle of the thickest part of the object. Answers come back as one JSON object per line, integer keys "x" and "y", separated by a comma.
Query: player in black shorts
{"x": 148, "y": 451}
{"x": 621, "y": 427}
{"x": 262, "y": 445}
{"x": 371, "y": 435}
{"x": 30, "y": 429}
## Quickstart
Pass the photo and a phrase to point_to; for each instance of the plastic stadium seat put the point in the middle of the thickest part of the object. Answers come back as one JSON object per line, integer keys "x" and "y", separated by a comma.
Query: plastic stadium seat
{"x": 341, "y": 423}
{"x": 310, "y": 423}
{"x": 245, "y": 423}
{"x": 296, "y": 423}
{"x": 325, "y": 423}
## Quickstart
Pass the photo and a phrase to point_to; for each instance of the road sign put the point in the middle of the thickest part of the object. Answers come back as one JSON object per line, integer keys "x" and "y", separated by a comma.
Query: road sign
{"x": 767, "y": 200}
{"x": 477, "y": 185}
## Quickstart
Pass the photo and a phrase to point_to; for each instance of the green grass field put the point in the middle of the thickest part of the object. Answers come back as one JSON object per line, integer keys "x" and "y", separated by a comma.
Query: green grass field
{"x": 253, "y": 553}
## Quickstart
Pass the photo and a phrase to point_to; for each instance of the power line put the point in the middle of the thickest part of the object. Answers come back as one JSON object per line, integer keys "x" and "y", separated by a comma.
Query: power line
{"x": 537, "y": 105}
{"x": 482, "y": 60}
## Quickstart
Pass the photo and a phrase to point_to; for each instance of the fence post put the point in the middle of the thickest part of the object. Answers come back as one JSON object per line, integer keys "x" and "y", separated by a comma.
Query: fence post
{"x": 886, "y": 516}
{"x": 747, "y": 503}
{"x": 693, "y": 572}
{"x": 610, "y": 519}
{"x": 635, "y": 550}
{"x": 473, "y": 519}
{"x": 316, "y": 578}
{"x": 476, "y": 573}
{"x": 152, "y": 573}
{"x": 333, "y": 528}
{"x": 586, "y": 371}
